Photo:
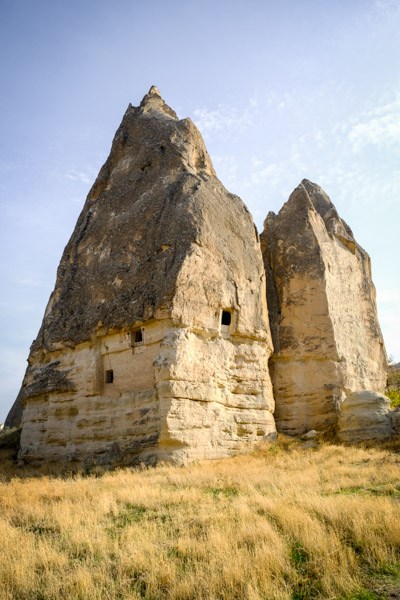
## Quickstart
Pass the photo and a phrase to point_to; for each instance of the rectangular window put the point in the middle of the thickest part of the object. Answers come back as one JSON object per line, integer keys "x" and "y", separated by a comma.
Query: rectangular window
{"x": 137, "y": 336}
{"x": 109, "y": 376}
{"x": 226, "y": 317}
{"x": 226, "y": 321}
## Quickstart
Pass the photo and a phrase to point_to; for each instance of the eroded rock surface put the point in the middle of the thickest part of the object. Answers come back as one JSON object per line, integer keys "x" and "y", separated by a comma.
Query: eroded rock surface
{"x": 322, "y": 309}
{"x": 155, "y": 341}
{"x": 365, "y": 416}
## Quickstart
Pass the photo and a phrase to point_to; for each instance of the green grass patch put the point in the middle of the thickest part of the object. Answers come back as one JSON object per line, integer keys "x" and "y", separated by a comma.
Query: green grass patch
{"x": 230, "y": 491}
{"x": 376, "y": 490}
{"x": 364, "y": 594}
{"x": 299, "y": 556}
{"x": 128, "y": 515}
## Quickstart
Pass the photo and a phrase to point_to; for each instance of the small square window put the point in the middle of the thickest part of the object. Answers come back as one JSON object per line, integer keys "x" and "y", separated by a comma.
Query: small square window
{"x": 109, "y": 376}
{"x": 226, "y": 317}
{"x": 137, "y": 337}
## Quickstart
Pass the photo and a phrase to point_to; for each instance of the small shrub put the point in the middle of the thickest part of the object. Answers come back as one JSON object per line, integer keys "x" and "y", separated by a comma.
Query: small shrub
{"x": 394, "y": 396}
{"x": 393, "y": 385}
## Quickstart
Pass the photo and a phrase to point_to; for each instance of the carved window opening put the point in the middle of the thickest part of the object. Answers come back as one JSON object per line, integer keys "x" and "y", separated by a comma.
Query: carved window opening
{"x": 137, "y": 337}
{"x": 226, "y": 317}
{"x": 226, "y": 322}
{"x": 109, "y": 376}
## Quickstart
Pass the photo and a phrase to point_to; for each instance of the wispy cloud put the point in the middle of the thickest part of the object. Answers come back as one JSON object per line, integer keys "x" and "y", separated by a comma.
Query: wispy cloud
{"x": 227, "y": 167}
{"x": 228, "y": 118}
{"x": 223, "y": 118}
{"x": 376, "y": 12}
{"x": 30, "y": 282}
{"x": 75, "y": 175}
{"x": 262, "y": 173}
{"x": 388, "y": 8}
{"x": 379, "y": 127}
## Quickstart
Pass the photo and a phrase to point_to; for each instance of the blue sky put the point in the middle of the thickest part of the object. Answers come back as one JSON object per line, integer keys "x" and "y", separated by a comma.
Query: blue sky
{"x": 280, "y": 90}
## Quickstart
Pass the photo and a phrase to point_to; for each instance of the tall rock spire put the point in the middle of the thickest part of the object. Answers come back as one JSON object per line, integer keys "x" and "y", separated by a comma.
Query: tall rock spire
{"x": 322, "y": 312}
{"x": 114, "y": 259}
{"x": 155, "y": 341}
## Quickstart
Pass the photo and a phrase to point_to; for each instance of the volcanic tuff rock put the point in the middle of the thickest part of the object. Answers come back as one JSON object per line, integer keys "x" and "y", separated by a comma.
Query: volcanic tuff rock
{"x": 155, "y": 341}
{"x": 322, "y": 309}
{"x": 14, "y": 416}
{"x": 365, "y": 416}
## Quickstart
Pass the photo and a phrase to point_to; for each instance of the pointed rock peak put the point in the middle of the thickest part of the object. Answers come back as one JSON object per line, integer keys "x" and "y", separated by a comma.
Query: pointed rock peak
{"x": 324, "y": 206}
{"x": 298, "y": 198}
{"x": 154, "y": 102}
{"x": 310, "y": 195}
{"x": 320, "y": 200}
{"x": 309, "y": 185}
{"x": 154, "y": 90}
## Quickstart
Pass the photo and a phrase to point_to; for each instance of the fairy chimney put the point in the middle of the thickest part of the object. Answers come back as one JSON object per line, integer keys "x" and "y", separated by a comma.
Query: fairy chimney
{"x": 155, "y": 341}
{"x": 322, "y": 310}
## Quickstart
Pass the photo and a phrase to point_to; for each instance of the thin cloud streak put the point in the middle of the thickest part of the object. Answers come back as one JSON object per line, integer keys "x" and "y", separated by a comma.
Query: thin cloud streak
{"x": 79, "y": 176}
{"x": 379, "y": 127}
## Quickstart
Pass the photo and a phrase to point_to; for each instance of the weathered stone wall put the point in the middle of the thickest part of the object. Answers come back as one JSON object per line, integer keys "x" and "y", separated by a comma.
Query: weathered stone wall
{"x": 167, "y": 401}
{"x": 113, "y": 422}
{"x": 322, "y": 312}
{"x": 219, "y": 385}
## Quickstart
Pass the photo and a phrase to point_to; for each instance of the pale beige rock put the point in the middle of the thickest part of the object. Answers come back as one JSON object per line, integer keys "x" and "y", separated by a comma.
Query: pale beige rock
{"x": 365, "y": 416}
{"x": 133, "y": 361}
{"x": 322, "y": 310}
{"x": 310, "y": 435}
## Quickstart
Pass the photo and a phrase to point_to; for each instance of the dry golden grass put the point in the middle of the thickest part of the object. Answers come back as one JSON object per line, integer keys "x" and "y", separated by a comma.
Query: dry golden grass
{"x": 282, "y": 523}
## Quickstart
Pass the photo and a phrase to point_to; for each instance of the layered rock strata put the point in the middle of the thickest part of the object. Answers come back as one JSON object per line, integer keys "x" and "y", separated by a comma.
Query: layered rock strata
{"x": 322, "y": 310}
{"x": 155, "y": 342}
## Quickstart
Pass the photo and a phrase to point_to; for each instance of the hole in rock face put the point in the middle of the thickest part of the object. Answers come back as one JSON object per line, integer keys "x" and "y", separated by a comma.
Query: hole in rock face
{"x": 162, "y": 149}
{"x": 137, "y": 336}
{"x": 226, "y": 317}
{"x": 109, "y": 376}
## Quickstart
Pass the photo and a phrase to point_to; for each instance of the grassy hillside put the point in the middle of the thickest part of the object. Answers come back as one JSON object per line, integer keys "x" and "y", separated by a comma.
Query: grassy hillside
{"x": 287, "y": 522}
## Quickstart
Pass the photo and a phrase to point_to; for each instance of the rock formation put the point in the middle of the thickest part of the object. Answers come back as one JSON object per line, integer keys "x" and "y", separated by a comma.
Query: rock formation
{"x": 14, "y": 416}
{"x": 322, "y": 309}
{"x": 155, "y": 342}
{"x": 365, "y": 416}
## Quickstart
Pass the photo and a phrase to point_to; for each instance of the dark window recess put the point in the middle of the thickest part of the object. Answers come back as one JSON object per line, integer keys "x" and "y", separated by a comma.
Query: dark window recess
{"x": 109, "y": 376}
{"x": 137, "y": 336}
{"x": 226, "y": 317}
